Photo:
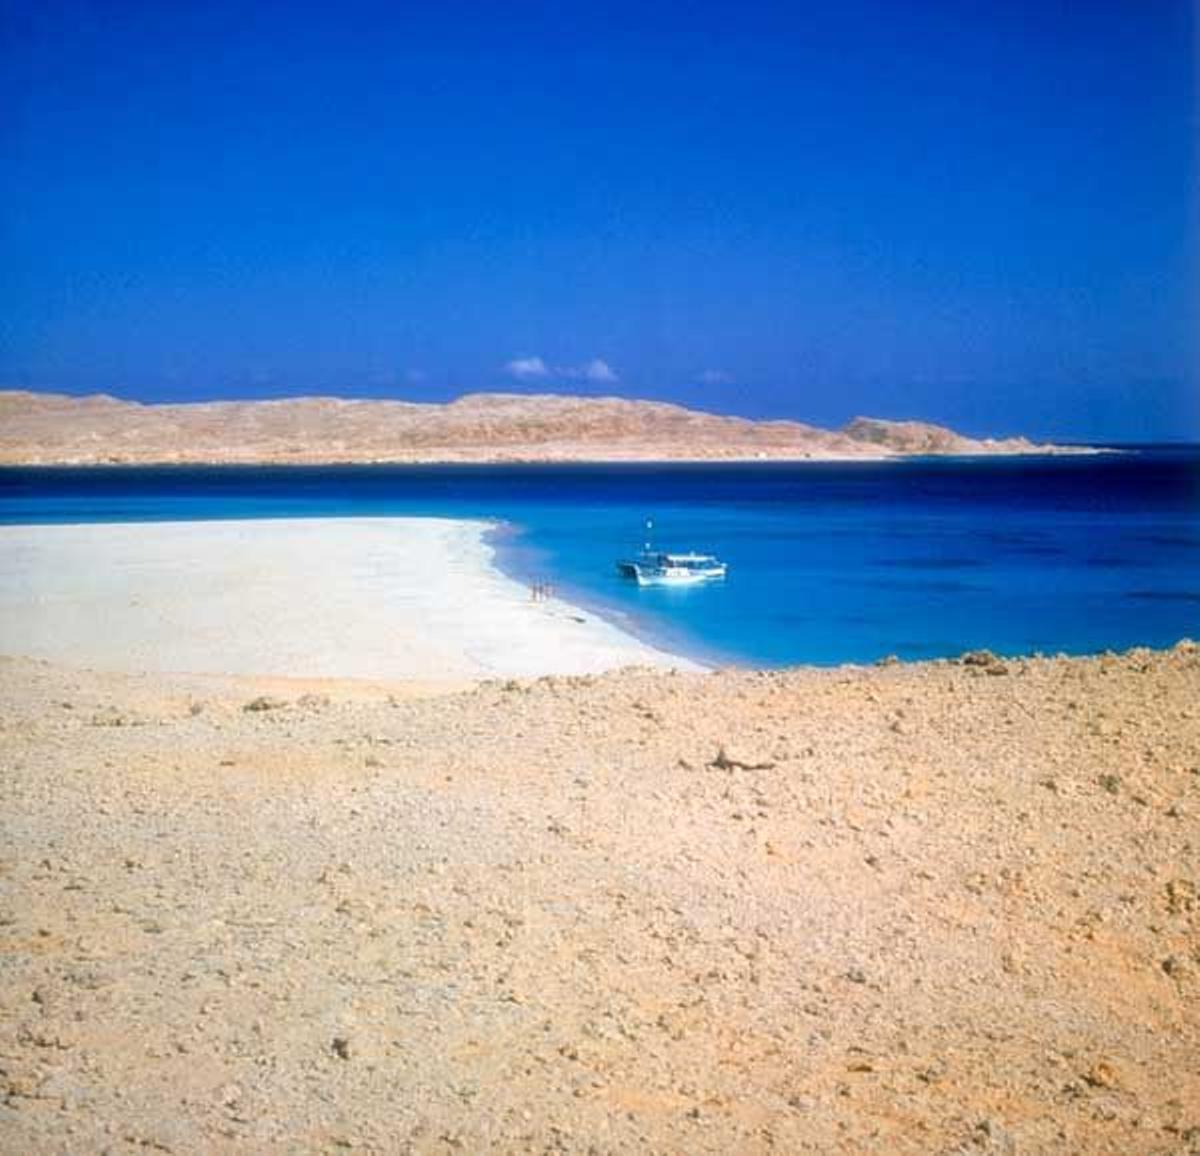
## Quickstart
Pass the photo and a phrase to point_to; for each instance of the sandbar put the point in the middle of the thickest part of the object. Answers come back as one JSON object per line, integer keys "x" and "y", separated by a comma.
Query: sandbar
{"x": 340, "y": 598}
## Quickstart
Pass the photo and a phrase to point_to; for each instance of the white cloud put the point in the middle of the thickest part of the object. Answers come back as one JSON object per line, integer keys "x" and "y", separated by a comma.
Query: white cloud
{"x": 531, "y": 368}
{"x": 715, "y": 377}
{"x": 524, "y": 368}
{"x": 597, "y": 370}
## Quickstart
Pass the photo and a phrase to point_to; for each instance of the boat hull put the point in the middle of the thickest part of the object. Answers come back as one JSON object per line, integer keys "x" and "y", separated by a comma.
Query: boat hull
{"x": 676, "y": 577}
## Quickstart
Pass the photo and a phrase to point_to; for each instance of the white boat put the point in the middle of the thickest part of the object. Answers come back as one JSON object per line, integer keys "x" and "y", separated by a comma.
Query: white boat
{"x": 665, "y": 568}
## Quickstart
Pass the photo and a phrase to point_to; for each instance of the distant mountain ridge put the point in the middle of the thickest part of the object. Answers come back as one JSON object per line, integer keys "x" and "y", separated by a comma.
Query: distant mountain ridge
{"x": 58, "y": 429}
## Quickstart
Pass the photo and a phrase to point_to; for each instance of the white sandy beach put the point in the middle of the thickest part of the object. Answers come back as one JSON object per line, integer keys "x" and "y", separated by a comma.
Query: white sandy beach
{"x": 372, "y": 598}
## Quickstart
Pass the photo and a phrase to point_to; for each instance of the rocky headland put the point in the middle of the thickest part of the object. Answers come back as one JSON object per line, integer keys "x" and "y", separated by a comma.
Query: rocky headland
{"x": 55, "y": 429}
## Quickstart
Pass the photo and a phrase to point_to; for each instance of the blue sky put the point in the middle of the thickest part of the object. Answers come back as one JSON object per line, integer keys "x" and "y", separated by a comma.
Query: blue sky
{"x": 983, "y": 214}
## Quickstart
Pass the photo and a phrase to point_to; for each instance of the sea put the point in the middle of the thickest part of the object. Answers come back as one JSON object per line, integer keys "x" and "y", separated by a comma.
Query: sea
{"x": 829, "y": 562}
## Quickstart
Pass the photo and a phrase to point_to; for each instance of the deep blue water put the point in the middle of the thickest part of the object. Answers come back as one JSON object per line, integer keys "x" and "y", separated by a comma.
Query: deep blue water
{"x": 829, "y": 562}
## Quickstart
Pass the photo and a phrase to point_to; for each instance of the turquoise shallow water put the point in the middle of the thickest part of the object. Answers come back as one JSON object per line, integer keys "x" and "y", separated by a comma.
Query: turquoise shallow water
{"x": 829, "y": 562}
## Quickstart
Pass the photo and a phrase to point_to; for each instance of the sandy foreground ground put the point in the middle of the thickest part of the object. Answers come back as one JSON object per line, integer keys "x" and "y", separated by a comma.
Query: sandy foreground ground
{"x": 374, "y": 598}
{"x": 948, "y": 907}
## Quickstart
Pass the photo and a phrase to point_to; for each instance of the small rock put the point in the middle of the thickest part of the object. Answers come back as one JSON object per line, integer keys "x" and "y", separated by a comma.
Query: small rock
{"x": 978, "y": 658}
{"x": 1101, "y": 1075}
{"x": 1181, "y": 897}
{"x": 109, "y": 717}
{"x": 228, "y": 1094}
{"x": 263, "y": 702}
{"x": 341, "y": 1047}
{"x": 727, "y": 761}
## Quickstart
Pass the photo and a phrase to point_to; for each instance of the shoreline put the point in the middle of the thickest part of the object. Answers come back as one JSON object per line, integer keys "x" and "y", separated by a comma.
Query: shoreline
{"x": 611, "y": 639}
{"x": 1059, "y": 451}
{"x": 391, "y": 599}
{"x": 505, "y": 540}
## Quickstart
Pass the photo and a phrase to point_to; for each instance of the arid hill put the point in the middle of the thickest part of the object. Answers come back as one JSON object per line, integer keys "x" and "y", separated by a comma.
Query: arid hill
{"x": 44, "y": 428}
